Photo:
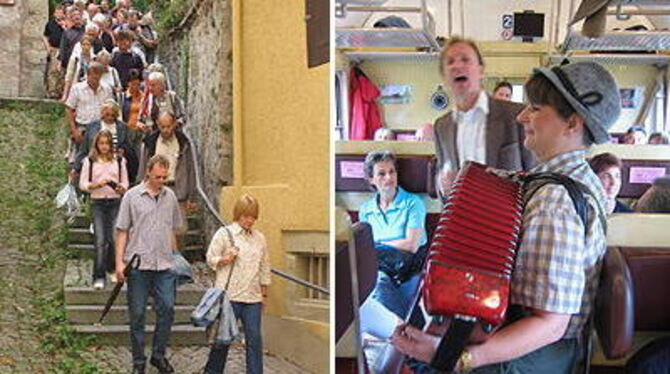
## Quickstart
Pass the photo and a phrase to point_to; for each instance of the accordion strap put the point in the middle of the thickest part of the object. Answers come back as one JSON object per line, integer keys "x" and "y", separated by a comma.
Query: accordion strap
{"x": 576, "y": 191}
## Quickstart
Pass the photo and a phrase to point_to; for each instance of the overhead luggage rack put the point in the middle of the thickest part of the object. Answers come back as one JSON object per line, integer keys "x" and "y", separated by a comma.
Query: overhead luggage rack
{"x": 613, "y": 58}
{"x": 619, "y": 41}
{"x": 420, "y": 38}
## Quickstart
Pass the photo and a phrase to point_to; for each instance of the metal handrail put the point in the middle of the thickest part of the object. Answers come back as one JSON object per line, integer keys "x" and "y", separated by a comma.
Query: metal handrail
{"x": 215, "y": 213}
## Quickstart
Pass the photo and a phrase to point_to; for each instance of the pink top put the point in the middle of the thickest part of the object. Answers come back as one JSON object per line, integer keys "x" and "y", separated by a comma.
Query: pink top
{"x": 103, "y": 170}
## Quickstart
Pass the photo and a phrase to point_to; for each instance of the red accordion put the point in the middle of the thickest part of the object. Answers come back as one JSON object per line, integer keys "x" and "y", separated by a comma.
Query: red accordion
{"x": 470, "y": 259}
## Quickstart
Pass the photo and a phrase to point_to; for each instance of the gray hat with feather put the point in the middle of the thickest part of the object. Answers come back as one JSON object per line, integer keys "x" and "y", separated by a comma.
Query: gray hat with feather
{"x": 591, "y": 91}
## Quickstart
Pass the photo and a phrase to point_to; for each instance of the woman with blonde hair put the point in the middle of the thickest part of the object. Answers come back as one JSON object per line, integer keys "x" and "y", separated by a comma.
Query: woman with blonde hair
{"x": 104, "y": 176}
{"x": 243, "y": 271}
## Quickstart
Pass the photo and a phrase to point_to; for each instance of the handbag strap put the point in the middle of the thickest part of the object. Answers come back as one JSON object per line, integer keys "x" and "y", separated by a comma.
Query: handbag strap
{"x": 232, "y": 267}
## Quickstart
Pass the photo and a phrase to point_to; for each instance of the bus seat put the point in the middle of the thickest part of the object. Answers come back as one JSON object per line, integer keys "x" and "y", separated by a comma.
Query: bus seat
{"x": 628, "y": 300}
{"x": 366, "y": 263}
{"x": 412, "y": 173}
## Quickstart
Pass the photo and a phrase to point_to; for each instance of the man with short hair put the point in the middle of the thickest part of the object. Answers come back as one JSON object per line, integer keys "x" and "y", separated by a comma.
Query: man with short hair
{"x": 148, "y": 218}
{"x": 479, "y": 128}
{"x": 53, "y": 31}
{"x": 83, "y": 105}
{"x": 70, "y": 37}
{"x": 124, "y": 59}
{"x": 172, "y": 144}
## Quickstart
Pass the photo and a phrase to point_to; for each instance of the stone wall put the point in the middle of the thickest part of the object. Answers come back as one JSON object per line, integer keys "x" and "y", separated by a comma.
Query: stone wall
{"x": 199, "y": 60}
{"x": 22, "y": 55}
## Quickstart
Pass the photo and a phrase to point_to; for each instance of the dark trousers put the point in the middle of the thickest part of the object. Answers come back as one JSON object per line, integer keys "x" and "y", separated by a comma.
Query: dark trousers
{"x": 250, "y": 314}
{"x": 163, "y": 286}
{"x": 104, "y": 215}
{"x": 555, "y": 358}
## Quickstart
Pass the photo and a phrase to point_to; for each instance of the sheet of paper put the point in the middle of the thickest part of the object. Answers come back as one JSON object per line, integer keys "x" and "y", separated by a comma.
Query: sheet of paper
{"x": 352, "y": 169}
{"x": 640, "y": 174}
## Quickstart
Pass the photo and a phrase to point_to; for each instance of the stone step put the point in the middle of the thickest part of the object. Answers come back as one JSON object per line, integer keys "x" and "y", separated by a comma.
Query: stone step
{"x": 118, "y": 314}
{"x": 188, "y": 294}
{"x": 196, "y": 251}
{"x": 84, "y": 236}
{"x": 82, "y": 221}
{"x": 119, "y": 334}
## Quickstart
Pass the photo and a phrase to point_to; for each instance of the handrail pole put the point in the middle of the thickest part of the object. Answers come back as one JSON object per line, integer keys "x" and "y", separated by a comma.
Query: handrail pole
{"x": 213, "y": 211}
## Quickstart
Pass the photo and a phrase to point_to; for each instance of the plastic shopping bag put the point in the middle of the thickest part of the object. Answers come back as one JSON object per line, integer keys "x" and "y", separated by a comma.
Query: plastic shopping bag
{"x": 68, "y": 200}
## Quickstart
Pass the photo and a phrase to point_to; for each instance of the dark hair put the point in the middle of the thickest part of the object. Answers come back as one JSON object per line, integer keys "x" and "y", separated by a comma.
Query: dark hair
{"x": 374, "y": 158}
{"x": 455, "y": 40}
{"x": 541, "y": 91}
{"x": 503, "y": 84}
{"x": 134, "y": 74}
{"x": 665, "y": 139}
{"x": 603, "y": 161}
{"x": 125, "y": 35}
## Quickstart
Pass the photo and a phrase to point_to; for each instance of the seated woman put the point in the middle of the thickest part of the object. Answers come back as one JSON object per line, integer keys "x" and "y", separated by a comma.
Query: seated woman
{"x": 608, "y": 168}
{"x": 503, "y": 91}
{"x": 635, "y": 135}
{"x": 659, "y": 138}
{"x": 657, "y": 198}
{"x": 397, "y": 219}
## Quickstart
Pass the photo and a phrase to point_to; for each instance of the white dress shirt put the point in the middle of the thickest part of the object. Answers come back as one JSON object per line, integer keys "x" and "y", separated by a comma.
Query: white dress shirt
{"x": 471, "y": 131}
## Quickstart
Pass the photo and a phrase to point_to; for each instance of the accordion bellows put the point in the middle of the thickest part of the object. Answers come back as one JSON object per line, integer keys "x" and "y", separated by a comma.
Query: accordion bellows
{"x": 471, "y": 257}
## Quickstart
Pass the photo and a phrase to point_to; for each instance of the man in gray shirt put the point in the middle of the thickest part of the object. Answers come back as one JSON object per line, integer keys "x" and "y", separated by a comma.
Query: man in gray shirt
{"x": 148, "y": 218}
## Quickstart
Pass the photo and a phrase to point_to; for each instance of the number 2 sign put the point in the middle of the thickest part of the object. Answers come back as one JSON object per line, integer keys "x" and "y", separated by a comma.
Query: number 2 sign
{"x": 507, "y": 21}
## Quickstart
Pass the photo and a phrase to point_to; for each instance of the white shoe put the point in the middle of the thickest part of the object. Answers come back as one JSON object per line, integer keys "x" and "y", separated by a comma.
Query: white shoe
{"x": 99, "y": 284}
{"x": 90, "y": 229}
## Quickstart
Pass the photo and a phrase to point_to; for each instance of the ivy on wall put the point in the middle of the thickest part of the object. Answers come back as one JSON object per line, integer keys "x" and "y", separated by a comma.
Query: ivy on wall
{"x": 167, "y": 14}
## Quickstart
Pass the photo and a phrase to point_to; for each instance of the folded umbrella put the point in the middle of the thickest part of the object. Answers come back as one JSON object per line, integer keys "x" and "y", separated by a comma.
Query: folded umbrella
{"x": 133, "y": 264}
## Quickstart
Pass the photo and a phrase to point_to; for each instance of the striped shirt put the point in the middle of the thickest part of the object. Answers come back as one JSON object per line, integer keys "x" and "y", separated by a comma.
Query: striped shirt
{"x": 151, "y": 223}
{"x": 558, "y": 264}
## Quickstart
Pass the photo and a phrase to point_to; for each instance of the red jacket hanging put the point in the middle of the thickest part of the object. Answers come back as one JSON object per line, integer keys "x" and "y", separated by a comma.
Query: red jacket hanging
{"x": 365, "y": 117}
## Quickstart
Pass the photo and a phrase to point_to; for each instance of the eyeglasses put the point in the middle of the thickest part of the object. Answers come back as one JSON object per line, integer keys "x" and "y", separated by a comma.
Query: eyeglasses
{"x": 163, "y": 177}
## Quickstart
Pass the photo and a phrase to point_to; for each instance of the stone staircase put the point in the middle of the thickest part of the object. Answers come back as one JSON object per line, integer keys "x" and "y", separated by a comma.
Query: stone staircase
{"x": 84, "y": 305}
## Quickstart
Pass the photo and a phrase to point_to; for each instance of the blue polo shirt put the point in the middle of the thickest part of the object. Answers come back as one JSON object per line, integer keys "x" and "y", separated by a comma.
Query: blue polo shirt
{"x": 407, "y": 211}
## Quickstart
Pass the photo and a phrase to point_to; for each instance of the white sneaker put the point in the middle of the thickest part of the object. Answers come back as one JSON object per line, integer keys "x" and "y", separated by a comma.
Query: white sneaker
{"x": 99, "y": 284}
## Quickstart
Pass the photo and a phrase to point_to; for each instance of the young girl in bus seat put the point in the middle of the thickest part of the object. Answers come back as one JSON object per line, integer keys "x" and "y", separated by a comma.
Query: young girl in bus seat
{"x": 105, "y": 177}
{"x": 608, "y": 168}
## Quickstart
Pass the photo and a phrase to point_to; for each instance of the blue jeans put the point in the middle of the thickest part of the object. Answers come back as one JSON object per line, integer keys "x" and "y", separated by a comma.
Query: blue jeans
{"x": 250, "y": 314}
{"x": 163, "y": 286}
{"x": 396, "y": 297}
{"x": 104, "y": 215}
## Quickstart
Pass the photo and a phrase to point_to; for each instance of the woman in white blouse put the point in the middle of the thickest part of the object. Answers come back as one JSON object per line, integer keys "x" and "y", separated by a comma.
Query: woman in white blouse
{"x": 247, "y": 258}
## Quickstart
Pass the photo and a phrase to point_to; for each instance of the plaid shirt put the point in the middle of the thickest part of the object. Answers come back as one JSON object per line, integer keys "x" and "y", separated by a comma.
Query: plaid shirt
{"x": 557, "y": 265}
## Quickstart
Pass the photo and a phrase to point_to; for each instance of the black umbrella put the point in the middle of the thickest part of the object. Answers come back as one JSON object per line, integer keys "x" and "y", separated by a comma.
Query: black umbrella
{"x": 133, "y": 264}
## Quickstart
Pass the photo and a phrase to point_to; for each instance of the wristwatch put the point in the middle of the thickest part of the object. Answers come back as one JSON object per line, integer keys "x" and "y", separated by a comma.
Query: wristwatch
{"x": 465, "y": 361}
